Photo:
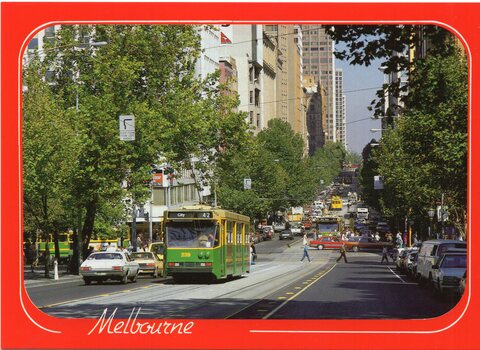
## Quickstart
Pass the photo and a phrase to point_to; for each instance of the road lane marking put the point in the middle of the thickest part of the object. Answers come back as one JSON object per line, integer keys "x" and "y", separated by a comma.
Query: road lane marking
{"x": 297, "y": 294}
{"x": 397, "y": 275}
{"x": 91, "y": 297}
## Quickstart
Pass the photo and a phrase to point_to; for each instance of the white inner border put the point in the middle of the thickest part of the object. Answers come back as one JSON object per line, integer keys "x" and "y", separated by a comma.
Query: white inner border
{"x": 164, "y": 22}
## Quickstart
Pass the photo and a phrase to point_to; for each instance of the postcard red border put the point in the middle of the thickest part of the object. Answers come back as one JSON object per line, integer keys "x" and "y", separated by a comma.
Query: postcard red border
{"x": 24, "y": 326}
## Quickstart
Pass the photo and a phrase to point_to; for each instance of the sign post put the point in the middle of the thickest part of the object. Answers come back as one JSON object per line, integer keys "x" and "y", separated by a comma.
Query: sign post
{"x": 127, "y": 127}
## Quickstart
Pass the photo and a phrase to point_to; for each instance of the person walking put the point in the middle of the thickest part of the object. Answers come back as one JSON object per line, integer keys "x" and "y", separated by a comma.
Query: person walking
{"x": 384, "y": 255}
{"x": 305, "y": 239}
{"x": 305, "y": 253}
{"x": 253, "y": 253}
{"x": 343, "y": 250}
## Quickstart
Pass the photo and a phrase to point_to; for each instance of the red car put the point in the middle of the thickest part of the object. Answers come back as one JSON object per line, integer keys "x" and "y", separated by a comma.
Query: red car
{"x": 326, "y": 242}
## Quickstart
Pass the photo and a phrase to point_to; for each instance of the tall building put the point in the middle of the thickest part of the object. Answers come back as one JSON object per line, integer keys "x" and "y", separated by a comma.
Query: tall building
{"x": 340, "y": 111}
{"x": 290, "y": 96}
{"x": 209, "y": 60}
{"x": 314, "y": 105}
{"x": 269, "y": 78}
{"x": 244, "y": 43}
{"x": 280, "y": 34}
{"x": 319, "y": 61}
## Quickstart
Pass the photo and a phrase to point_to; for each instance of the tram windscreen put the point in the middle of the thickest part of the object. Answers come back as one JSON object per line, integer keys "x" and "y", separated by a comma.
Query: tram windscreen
{"x": 193, "y": 234}
{"x": 330, "y": 228}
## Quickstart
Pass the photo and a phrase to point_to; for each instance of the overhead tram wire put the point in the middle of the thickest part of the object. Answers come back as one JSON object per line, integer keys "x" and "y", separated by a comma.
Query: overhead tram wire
{"x": 298, "y": 98}
{"x": 251, "y": 40}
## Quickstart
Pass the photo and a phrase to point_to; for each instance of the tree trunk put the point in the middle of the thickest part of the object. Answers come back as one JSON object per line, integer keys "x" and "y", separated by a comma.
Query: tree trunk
{"x": 88, "y": 226}
{"x": 56, "y": 246}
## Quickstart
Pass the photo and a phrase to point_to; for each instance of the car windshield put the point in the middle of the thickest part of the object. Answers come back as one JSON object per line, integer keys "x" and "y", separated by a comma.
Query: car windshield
{"x": 143, "y": 256}
{"x": 156, "y": 248}
{"x": 192, "y": 234}
{"x": 455, "y": 261}
{"x": 327, "y": 227}
{"x": 105, "y": 256}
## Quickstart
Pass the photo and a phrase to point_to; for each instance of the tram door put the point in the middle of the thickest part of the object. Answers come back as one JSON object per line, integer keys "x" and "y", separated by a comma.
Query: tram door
{"x": 223, "y": 246}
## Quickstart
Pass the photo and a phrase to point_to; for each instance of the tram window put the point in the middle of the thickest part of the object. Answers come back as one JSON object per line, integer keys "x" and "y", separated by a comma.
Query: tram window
{"x": 239, "y": 233}
{"x": 229, "y": 232}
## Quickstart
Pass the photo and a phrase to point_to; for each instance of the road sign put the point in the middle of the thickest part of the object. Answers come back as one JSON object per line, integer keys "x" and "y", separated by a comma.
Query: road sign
{"x": 127, "y": 127}
{"x": 247, "y": 184}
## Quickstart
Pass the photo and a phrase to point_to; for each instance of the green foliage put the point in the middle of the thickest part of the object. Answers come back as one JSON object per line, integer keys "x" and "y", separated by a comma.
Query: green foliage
{"x": 425, "y": 154}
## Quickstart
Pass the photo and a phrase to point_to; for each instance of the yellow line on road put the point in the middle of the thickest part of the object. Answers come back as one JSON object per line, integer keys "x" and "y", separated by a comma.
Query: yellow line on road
{"x": 295, "y": 295}
{"x": 91, "y": 297}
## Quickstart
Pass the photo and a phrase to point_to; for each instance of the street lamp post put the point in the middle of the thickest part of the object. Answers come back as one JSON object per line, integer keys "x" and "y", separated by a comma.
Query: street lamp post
{"x": 431, "y": 213}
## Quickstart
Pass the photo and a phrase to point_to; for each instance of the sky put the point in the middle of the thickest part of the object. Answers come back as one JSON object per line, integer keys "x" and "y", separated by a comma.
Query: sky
{"x": 356, "y": 79}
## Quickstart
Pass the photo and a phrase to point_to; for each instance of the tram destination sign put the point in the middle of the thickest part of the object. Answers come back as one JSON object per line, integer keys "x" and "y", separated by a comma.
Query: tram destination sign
{"x": 190, "y": 215}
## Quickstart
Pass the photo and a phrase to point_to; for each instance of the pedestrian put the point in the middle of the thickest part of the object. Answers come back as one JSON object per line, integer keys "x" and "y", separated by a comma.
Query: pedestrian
{"x": 305, "y": 240}
{"x": 399, "y": 240}
{"x": 253, "y": 253}
{"x": 384, "y": 255}
{"x": 343, "y": 250}
{"x": 415, "y": 239}
{"x": 305, "y": 253}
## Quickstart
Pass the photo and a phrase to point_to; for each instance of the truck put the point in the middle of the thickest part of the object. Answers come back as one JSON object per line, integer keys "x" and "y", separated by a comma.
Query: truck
{"x": 295, "y": 218}
{"x": 362, "y": 213}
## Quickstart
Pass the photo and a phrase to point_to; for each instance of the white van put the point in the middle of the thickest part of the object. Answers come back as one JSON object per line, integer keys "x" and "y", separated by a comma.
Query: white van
{"x": 430, "y": 254}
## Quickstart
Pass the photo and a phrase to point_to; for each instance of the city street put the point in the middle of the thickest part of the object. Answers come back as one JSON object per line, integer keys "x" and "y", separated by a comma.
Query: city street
{"x": 278, "y": 287}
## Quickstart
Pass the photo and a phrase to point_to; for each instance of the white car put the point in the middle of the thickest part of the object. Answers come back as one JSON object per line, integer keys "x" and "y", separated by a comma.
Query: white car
{"x": 449, "y": 271}
{"x": 101, "y": 266}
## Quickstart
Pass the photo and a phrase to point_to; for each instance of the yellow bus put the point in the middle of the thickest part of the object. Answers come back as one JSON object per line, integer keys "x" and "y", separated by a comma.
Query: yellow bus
{"x": 336, "y": 203}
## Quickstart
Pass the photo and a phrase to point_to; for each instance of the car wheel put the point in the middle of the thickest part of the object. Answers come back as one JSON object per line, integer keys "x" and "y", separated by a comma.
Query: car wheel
{"x": 87, "y": 281}
{"x": 134, "y": 278}
{"x": 355, "y": 249}
{"x": 320, "y": 247}
{"x": 124, "y": 279}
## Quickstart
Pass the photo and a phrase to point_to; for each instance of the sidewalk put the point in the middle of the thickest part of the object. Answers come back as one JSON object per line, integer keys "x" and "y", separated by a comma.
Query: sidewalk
{"x": 37, "y": 277}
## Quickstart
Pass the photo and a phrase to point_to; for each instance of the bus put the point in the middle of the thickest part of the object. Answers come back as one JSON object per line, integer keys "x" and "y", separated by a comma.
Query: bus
{"x": 336, "y": 203}
{"x": 65, "y": 245}
{"x": 329, "y": 225}
{"x": 201, "y": 241}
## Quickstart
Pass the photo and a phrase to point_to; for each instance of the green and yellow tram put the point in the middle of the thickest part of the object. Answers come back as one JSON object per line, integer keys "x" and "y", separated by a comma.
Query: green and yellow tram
{"x": 202, "y": 241}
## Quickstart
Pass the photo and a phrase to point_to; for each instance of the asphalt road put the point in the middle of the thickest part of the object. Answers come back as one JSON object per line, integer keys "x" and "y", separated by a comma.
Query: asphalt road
{"x": 279, "y": 287}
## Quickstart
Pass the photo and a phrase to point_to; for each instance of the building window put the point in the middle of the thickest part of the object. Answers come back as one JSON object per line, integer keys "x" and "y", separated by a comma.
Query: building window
{"x": 33, "y": 44}
{"x": 258, "y": 120}
{"x": 251, "y": 96}
{"x": 251, "y": 117}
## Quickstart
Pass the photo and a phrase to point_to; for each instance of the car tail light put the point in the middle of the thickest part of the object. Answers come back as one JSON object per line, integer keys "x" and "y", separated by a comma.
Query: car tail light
{"x": 151, "y": 265}
{"x": 85, "y": 268}
{"x": 117, "y": 268}
{"x": 171, "y": 264}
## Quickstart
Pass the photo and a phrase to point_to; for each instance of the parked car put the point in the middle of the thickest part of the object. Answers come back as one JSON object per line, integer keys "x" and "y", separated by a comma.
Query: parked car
{"x": 446, "y": 275}
{"x": 430, "y": 254}
{"x": 326, "y": 242}
{"x": 149, "y": 263}
{"x": 286, "y": 234}
{"x": 268, "y": 232}
{"x": 158, "y": 249}
{"x": 102, "y": 266}
{"x": 407, "y": 259}
{"x": 412, "y": 267}
{"x": 366, "y": 243}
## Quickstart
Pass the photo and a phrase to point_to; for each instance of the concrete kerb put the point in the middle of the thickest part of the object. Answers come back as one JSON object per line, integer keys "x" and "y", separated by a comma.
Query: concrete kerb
{"x": 37, "y": 277}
